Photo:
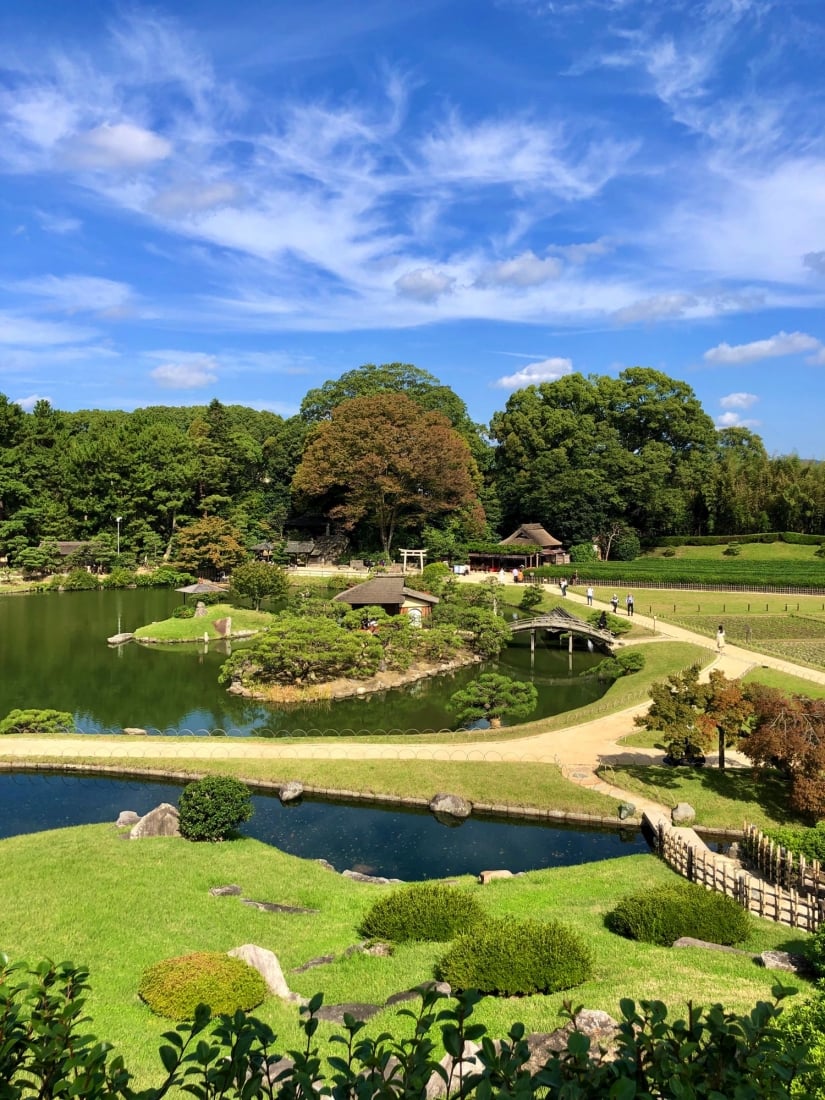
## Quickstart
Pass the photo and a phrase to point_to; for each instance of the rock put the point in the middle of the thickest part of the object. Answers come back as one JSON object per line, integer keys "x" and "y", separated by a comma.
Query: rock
{"x": 682, "y": 814}
{"x": 267, "y": 965}
{"x": 310, "y": 964}
{"x": 127, "y": 817}
{"x": 626, "y": 810}
{"x": 378, "y": 880}
{"x": 119, "y": 639}
{"x": 451, "y": 806}
{"x": 225, "y": 891}
{"x": 418, "y": 991}
{"x": 162, "y": 821}
{"x": 784, "y": 960}
{"x": 135, "y": 731}
{"x": 689, "y": 941}
{"x": 488, "y": 876}
{"x": 200, "y": 610}
{"x": 335, "y": 1013}
{"x": 275, "y": 907}
{"x": 278, "y": 1067}
{"x": 325, "y": 863}
{"x": 291, "y": 792}
{"x": 377, "y": 950}
{"x": 599, "y": 1027}
{"x": 223, "y": 627}
{"x": 467, "y": 1063}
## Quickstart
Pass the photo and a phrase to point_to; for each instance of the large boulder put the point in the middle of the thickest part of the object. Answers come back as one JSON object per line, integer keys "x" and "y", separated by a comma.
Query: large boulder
{"x": 784, "y": 960}
{"x": 683, "y": 814}
{"x": 267, "y": 964}
{"x": 127, "y": 818}
{"x": 600, "y": 1028}
{"x": 291, "y": 792}
{"x": 450, "y": 806}
{"x": 162, "y": 821}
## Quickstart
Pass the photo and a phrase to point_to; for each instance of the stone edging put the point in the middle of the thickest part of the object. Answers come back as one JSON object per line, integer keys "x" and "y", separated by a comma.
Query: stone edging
{"x": 483, "y": 809}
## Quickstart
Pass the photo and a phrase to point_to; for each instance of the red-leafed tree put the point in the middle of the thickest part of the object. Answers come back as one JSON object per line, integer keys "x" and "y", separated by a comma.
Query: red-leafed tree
{"x": 386, "y": 460}
{"x": 789, "y": 734}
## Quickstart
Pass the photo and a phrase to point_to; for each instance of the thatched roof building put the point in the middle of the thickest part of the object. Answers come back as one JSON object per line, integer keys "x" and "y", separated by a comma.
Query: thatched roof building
{"x": 390, "y": 593}
{"x": 529, "y": 545}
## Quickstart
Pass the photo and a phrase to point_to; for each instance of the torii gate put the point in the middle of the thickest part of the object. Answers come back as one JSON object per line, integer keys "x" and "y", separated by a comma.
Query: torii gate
{"x": 418, "y": 555}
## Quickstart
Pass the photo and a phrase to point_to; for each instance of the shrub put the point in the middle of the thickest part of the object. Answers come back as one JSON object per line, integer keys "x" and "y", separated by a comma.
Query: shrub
{"x": 669, "y": 552}
{"x": 79, "y": 580}
{"x": 428, "y": 911}
{"x": 626, "y": 546}
{"x": 809, "y": 842}
{"x": 183, "y": 611}
{"x": 732, "y": 551}
{"x": 213, "y": 807}
{"x": 118, "y": 578}
{"x": 623, "y": 664}
{"x": 175, "y": 987}
{"x": 509, "y": 957}
{"x": 816, "y": 951}
{"x": 164, "y": 578}
{"x": 583, "y": 552}
{"x": 666, "y": 913}
{"x": 38, "y": 721}
{"x": 531, "y": 597}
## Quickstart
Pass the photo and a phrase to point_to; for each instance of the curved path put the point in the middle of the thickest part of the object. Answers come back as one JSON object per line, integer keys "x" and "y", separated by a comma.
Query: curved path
{"x": 577, "y": 750}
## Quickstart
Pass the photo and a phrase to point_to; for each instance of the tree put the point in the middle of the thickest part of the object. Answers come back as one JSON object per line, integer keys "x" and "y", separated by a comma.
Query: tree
{"x": 207, "y": 544}
{"x": 788, "y": 732}
{"x": 258, "y": 580}
{"x": 387, "y": 461}
{"x": 727, "y": 713}
{"x": 212, "y": 808}
{"x": 493, "y": 696}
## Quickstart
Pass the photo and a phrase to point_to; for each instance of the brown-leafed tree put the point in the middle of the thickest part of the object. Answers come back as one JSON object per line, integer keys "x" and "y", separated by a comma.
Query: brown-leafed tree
{"x": 789, "y": 734}
{"x": 386, "y": 460}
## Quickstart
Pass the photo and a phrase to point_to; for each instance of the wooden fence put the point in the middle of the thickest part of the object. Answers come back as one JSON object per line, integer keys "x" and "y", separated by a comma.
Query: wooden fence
{"x": 781, "y": 866}
{"x": 795, "y": 904}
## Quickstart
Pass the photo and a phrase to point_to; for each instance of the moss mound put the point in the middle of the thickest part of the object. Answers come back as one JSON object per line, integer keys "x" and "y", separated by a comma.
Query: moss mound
{"x": 666, "y": 913}
{"x": 509, "y": 957}
{"x": 175, "y": 987}
{"x": 428, "y": 911}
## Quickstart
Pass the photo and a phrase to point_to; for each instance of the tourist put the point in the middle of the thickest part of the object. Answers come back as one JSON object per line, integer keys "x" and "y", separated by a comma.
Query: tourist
{"x": 515, "y": 574}
{"x": 589, "y": 596}
{"x": 614, "y": 600}
{"x": 720, "y": 639}
{"x": 563, "y": 587}
{"x": 629, "y": 604}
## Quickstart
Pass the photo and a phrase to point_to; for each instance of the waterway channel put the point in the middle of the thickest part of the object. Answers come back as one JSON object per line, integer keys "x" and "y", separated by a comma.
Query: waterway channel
{"x": 396, "y": 843}
{"x": 53, "y": 653}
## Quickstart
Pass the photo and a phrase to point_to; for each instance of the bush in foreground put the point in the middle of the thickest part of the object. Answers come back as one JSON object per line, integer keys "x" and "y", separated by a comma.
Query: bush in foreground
{"x": 38, "y": 721}
{"x": 175, "y": 987}
{"x": 47, "y": 1050}
{"x": 508, "y": 957}
{"x": 664, "y": 914}
{"x": 425, "y": 911}
{"x": 212, "y": 808}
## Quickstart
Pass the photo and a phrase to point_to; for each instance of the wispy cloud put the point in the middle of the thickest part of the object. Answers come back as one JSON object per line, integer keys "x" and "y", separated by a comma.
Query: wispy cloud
{"x": 78, "y": 293}
{"x": 738, "y": 400}
{"x": 186, "y": 372}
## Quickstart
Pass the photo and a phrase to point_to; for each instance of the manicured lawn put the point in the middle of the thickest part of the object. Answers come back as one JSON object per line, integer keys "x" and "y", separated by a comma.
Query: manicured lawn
{"x": 748, "y": 551}
{"x": 193, "y": 630}
{"x": 722, "y": 800}
{"x": 792, "y": 685}
{"x": 117, "y": 906}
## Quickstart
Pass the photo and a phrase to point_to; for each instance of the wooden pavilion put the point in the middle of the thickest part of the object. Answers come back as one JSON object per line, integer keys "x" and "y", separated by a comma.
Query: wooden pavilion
{"x": 530, "y": 545}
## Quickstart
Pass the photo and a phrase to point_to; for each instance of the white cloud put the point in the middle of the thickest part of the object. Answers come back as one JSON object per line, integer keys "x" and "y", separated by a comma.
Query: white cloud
{"x": 190, "y": 374}
{"x": 521, "y": 271}
{"x": 120, "y": 145}
{"x": 79, "y": 293}
{"x": 55, "y": 223}
{"x": 783, "y": 343}
{"x": 425, "y": 284}
{"x": 194, "y": 197}
{"x": 734, "y": 420}
{"x": 815, "y": 261}
{"x": 582, "y": 252}
{"x": 548, "y": 370}
{"x": 657, "y": 308}
{"x": 738, "y": 400}
{"x": 29, "y": 402}
{"x": 28, "y": 332}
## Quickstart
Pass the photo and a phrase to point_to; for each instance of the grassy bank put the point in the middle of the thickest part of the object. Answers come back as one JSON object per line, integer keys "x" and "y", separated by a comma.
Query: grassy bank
{"x": 157, "y": 904}
{"x": 193, "y": 630}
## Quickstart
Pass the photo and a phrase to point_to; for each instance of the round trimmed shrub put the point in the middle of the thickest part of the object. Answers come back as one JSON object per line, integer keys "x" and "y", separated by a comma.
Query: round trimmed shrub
{"x": 509, "y": 957}
{"x": 212, "y": 808}
{"x": 175, "y": 987}
{"x": 664, "y": 914}
{"x": 427, "y": 911}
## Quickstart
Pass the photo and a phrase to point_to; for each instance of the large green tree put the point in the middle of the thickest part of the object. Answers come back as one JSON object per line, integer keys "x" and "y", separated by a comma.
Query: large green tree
{"x": 208, "y": 544}
{"x": 258, "y": 580}
{"x": 387, "y": 461}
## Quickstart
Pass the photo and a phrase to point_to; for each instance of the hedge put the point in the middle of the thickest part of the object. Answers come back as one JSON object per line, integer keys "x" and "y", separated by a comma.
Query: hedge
{"x": 424, "y": 911}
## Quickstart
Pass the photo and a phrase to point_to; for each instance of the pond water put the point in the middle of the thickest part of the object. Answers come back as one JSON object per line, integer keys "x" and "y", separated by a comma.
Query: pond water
{"x": 396, "y": 843}
{"x": 53, "y": 653}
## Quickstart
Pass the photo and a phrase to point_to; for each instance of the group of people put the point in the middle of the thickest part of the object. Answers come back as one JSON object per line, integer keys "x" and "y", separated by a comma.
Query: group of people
{"x": 589, "y": 595}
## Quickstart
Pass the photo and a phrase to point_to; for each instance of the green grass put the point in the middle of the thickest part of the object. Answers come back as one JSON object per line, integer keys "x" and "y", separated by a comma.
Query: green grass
{"x": 722, "y": 799}
{"x": 118, "y": 906}
{"x": 793, "y": 685}
{"x": 748, "y": 551}
{"x": 193, "y": 630}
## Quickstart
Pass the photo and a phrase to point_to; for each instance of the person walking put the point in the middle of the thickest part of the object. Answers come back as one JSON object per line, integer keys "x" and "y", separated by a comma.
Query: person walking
{"x": 563, "y": 587}
{"x": 589, "y": 597}
{"x": 629, "y": 604}
{"x": 614, "y": 600}
{"x": 720, "y": 639}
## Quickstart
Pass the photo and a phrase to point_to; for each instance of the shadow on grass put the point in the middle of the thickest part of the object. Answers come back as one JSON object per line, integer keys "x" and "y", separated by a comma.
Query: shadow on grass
{"x": 768, "y": 790}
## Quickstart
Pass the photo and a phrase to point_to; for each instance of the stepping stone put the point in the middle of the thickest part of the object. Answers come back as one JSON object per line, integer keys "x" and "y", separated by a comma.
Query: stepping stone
{"x": 231, "y": 891}
{"x": 319, "y": 960}
{"x": 274, "y": 907}
{"x": 335, "y": 1013}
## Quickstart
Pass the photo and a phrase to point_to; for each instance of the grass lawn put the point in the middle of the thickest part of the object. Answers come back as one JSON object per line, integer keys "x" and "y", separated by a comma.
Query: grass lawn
{"x": 749, "y": 551}
{"x": 793, "y": 685}
{"x": 193, "y": 630}
{"x": 118, "y": 906}
{"x": 722, "y": 800}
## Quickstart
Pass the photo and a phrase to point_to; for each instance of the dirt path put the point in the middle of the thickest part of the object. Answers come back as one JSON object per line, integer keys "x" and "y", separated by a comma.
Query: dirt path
{"x": 577, "y": 750}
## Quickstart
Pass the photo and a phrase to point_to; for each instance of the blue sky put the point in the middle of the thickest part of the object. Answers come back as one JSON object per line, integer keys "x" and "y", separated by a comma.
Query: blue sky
{"x": 243, "y": 200}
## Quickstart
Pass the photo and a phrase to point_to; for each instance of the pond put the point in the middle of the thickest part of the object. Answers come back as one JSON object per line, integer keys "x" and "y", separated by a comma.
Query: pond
{"x": 53, "y": 654}
{"x": 403, "y": 844}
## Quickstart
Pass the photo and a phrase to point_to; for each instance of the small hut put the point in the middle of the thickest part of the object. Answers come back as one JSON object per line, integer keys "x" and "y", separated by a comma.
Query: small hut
{"x": 390, "y": 593}
{"x": 530, "y": 545}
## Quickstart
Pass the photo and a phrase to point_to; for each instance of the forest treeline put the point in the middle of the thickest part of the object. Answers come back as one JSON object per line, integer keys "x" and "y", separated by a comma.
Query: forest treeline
{"x": 390, "y": 456}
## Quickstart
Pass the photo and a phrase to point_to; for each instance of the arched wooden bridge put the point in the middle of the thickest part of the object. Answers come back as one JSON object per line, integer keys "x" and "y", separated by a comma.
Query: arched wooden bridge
{"x": 559, "y": 621}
